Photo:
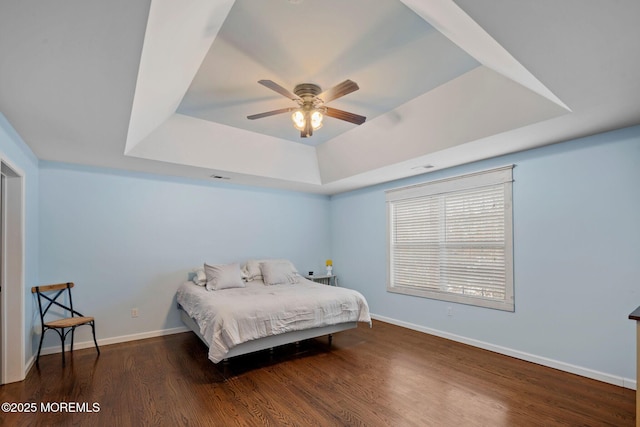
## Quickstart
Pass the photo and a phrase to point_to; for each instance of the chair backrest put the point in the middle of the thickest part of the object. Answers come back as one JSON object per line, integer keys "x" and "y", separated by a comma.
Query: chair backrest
{"x": 59, "y": 289}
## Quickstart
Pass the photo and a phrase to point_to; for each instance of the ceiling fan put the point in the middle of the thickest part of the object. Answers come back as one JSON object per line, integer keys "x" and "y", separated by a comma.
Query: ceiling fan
{"x": 311, "y": 109}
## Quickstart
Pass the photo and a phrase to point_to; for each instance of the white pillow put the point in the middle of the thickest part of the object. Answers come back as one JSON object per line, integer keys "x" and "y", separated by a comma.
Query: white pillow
{"x": 252, "y": 270}
{"x": 223, "y": 276}
{"x": 278, "y": 272}
{"x": 199, "y": 277}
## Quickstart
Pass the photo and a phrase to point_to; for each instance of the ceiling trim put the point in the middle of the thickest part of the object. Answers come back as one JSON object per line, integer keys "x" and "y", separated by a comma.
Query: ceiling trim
{"x": 483, "y": 103}
{"x": 188, "y": 140}
{"x": 176, "y": 40}
{"x": 448, "y": 18}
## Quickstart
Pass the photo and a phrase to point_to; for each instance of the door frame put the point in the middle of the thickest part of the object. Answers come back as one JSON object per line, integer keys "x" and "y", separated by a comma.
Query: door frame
{"x": 12, "y": 334}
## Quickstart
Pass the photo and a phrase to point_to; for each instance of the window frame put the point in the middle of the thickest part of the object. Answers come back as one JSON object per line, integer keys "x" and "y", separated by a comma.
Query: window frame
{"x": 488, "y": 178}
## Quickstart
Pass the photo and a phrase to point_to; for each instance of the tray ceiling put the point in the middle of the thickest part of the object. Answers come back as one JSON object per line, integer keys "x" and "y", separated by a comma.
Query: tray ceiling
{"x": 165, "y": 87}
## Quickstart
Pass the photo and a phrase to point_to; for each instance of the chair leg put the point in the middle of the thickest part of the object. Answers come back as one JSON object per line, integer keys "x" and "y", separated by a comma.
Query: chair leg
{"x": 40, "y": 346}
{"x": 93, "y": 330}
{"x": 62, "y": 335}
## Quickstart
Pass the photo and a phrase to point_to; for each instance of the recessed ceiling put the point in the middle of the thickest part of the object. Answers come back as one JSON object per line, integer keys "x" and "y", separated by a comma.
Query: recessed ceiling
{"x": 318, "y": 42}
{"x": 165, "y": 87}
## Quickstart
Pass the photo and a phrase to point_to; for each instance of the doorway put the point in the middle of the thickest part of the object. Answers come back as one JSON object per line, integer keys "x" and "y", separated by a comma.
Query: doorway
{"x": 12, "y": 341}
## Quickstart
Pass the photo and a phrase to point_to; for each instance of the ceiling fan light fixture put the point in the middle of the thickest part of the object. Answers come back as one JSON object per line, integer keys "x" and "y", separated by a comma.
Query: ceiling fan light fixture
{"x": 316, "y": 119}
{"x": 299, "y": 118}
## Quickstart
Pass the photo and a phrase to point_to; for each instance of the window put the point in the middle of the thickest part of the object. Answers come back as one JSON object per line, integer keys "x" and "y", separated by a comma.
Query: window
{"x": 452, "y": 239}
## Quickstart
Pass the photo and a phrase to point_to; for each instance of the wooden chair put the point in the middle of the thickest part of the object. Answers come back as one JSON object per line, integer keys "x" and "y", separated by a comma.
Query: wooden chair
{"x": 69, "y": 323}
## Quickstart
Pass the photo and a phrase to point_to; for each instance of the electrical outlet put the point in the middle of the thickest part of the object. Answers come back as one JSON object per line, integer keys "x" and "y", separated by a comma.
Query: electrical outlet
{"x": 449, "y": 311}
{"x": 134, "y": 312}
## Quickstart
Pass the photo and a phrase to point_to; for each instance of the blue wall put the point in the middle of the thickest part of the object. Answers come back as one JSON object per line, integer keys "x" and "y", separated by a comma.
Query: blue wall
{"x": 576, "y": 255}
{"x": 128, "y": 240}
{"x": 19, "y": 155}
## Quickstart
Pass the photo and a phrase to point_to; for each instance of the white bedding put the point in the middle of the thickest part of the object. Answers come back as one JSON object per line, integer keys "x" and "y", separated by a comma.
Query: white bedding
{"x": 232, "y": 316}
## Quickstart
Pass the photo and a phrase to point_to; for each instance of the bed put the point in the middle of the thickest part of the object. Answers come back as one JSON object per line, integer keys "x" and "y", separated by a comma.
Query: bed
{"x": 261, "y": 314}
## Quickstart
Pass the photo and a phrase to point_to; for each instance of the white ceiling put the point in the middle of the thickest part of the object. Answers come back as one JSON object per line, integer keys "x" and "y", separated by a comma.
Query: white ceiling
{"x": 165, "y": 87}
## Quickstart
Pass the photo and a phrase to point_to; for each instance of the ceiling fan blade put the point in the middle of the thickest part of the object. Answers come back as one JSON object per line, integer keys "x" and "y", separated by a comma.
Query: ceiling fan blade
{"x": 342, "y": 89}
{"x": 277, "y": 88}
{"x": 345, "y": 115}
{"x": 270, "y": 113}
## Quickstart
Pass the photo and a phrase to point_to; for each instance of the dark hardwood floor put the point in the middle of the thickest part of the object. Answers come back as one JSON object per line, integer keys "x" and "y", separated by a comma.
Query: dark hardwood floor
{"x": 384, "y": 376}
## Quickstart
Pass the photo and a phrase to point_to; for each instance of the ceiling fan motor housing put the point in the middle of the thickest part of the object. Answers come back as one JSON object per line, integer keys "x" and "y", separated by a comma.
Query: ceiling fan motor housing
{"x": 307, "y": 90}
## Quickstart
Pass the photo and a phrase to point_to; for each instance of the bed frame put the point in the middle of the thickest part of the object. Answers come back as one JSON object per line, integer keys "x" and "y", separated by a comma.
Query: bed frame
{"x": 270, "y": 341}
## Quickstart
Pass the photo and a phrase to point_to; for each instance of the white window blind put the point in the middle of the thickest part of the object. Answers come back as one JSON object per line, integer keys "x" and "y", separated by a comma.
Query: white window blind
{"x": 452, "y": 239}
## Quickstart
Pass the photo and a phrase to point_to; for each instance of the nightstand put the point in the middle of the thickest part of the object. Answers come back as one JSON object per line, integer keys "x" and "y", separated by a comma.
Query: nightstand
{"x": 325, "y": 279}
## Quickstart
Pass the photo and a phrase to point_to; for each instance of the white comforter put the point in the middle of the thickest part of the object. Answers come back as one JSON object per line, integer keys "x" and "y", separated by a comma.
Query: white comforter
{"x": 232, "y": 316}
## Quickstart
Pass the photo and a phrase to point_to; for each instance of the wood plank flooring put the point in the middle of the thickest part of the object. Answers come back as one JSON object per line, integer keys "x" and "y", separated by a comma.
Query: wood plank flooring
{"x": 384, "y": 376}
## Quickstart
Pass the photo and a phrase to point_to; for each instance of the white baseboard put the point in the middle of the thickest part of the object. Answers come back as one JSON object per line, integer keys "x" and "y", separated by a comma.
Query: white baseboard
{"x": 544, "y": 361}
{"x": 106, "y": 341}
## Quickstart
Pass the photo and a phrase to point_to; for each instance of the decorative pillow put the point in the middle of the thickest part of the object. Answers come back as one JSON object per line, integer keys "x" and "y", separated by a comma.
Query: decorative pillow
{"x": 223, "y": 276}
{"x": 199, "y": 277}
{"x": 252, "y": 270}
{"x": 278, "y": 272}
